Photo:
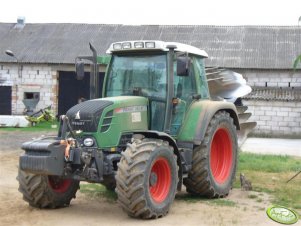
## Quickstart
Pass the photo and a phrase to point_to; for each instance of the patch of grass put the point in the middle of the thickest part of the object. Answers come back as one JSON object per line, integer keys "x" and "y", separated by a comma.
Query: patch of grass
{"x": 289, "y": 194}
{"x": 268, "y": 163}
{"x": 189, "y": 198}
{"x": 222, "y": 202}
{"x": 252, "y": 196}
{"x": 261, "y": 189}
{"x": 269, "y": 174}
{"x": 259, "y": 200}
{"x": 98, "y": 191}
{"x": 237, "y": 183}
{"x": 42, "y": 126}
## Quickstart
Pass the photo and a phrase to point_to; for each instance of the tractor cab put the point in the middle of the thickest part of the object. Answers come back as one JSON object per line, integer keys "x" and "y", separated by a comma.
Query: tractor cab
{"x": 145, "y": 68}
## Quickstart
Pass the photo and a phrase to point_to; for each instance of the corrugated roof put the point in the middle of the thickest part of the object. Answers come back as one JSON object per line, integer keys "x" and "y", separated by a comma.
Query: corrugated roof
{"x": 228, "y": 46}
{"x": 271, "y": 93}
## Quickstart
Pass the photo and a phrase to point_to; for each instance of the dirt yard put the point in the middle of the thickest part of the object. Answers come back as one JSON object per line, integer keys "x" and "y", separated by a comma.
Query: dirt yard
{"x": 85, "y": 210}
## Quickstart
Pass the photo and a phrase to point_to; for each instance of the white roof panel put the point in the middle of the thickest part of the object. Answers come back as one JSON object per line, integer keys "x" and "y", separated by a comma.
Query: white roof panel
{"x": 159, "y": 45}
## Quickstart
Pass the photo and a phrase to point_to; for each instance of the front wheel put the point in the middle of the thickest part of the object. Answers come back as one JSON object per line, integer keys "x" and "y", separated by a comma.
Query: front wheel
{"x": 147, "y": 178}
{"x": 214, "y": 161}
{"x": 44, "y": 191}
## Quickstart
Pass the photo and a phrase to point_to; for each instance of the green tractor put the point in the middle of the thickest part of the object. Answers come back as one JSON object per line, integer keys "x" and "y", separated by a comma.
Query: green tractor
{"x": 155, "y": 128}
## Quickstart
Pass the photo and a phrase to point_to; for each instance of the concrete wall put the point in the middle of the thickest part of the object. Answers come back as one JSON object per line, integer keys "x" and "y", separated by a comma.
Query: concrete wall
{"x": 30, "y": 78}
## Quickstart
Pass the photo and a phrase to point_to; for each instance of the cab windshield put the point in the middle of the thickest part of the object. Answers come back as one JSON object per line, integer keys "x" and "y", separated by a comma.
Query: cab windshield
{"x": 137, "y": 75}
{"x": 141, "y": 75}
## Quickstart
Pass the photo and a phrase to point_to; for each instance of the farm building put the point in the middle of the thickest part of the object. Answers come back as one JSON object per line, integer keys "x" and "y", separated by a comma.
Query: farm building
{"x": 41, "y": 69}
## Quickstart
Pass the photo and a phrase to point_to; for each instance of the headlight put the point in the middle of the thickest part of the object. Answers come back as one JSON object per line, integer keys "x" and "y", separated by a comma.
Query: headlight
{"x": 88, "y": 142}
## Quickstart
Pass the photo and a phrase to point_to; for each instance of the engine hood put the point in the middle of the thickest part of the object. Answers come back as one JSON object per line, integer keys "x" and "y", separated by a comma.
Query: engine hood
{"x": 86, "y": 115}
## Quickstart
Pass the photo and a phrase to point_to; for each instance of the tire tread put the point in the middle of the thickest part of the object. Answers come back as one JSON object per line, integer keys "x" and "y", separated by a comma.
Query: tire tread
{"x": 37, "y": 192}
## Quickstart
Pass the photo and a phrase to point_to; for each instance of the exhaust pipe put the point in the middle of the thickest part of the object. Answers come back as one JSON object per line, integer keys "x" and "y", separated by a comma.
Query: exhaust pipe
{"x": 94, "y": 77}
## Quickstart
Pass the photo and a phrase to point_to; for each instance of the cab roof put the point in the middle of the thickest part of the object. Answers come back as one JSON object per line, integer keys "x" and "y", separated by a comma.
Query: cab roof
{"x": 146, "y": 45}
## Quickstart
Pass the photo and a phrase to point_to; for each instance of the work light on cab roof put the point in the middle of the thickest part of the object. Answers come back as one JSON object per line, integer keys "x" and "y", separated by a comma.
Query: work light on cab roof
{"x": 155, "y": 45}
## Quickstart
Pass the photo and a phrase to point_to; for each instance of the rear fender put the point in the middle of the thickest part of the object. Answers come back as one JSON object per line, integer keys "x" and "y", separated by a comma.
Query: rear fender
{"x": 199, "y": 116}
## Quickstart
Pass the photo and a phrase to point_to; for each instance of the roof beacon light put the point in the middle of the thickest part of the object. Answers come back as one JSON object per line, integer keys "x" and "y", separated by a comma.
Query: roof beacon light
{"x": 126, "y": 45}
{"x": 139, "y": 45}
{"x": 150, "y": 45}
{"x": 117, "y": 46}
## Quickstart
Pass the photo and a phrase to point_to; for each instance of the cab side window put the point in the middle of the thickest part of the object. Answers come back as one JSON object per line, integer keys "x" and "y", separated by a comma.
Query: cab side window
{"x": 201, "y": 79}
{"x": 185, "y": 86}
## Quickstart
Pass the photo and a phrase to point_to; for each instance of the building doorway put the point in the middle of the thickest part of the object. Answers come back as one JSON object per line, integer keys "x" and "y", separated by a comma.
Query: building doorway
{"x": 5, "y": 100}
{"x": 71, "y": 90}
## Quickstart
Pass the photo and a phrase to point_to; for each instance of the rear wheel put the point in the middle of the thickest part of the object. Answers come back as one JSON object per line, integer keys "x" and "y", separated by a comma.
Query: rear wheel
{"x": 214, "y": 161}
{"x": 46, "y": 191}
{"x": 147, "y": 178}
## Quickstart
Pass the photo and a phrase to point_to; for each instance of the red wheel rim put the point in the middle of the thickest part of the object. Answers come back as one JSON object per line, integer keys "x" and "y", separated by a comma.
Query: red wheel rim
{"x": 58, "y": 184}
{"x": 221, "y": 155}
{"x": 160, "y": 180}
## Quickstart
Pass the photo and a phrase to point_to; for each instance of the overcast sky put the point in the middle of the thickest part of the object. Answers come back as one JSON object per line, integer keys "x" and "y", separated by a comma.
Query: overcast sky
{"x": 187, "y": 12}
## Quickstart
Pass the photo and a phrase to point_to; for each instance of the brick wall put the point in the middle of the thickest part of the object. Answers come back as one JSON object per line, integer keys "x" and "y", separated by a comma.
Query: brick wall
{"x": 30, "y": 78}
{"x": 272, "y": 78}
{"x": 275, "y": 118}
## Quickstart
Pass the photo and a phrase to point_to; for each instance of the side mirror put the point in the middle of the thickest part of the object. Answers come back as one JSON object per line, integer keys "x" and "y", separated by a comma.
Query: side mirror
{"x": 80, "y": 69}
{"x": 183, "y": 66}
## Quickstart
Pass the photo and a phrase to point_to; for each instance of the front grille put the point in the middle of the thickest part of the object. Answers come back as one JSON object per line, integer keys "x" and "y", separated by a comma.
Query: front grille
{"x": 86, "y": 115}
{"x": 107, "y": 121}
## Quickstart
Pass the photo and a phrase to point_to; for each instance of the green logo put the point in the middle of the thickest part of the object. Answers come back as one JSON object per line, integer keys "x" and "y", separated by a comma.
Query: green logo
{"x": 282, "y": 215}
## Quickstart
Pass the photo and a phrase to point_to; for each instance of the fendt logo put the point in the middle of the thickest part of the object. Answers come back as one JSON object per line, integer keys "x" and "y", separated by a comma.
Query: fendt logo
{"x": 77, "y": 115}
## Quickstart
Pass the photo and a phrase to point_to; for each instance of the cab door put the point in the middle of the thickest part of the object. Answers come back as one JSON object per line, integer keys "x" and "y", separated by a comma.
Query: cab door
{"x": 188, "y": 88}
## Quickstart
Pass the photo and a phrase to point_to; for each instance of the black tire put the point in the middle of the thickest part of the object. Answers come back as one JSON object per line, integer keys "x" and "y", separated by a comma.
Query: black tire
{"x": 147, "y": 178}
{"x": 214, "y": 161}
{"x": 43, "y": 191}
